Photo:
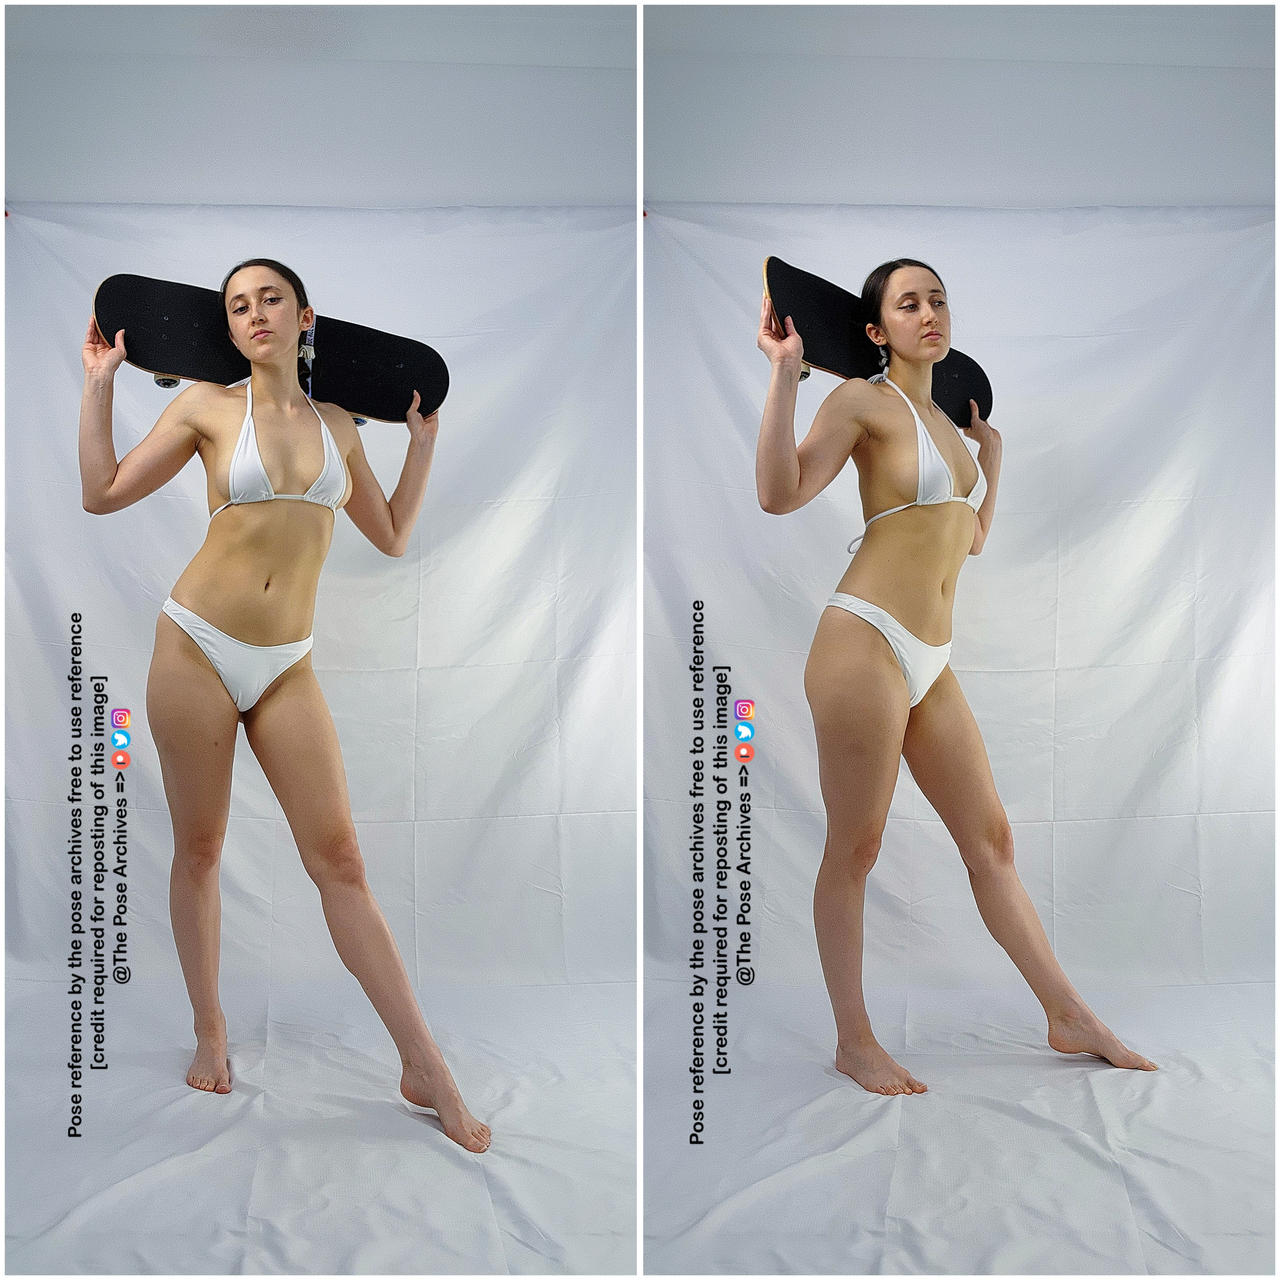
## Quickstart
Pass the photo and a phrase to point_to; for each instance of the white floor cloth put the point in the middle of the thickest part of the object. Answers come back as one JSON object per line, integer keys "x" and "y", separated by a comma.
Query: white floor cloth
{"x": 1017, "y": 1161}
{"x": 1115, "y": 640}
{"x": 474, "y": 684}
{"x": 313, "y": 1164}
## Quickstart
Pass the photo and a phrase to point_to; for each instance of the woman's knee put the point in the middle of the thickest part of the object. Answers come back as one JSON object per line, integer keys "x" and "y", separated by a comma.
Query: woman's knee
{"x": 198, "y": 853}
{"x": 853, "y": 855}
{"x": 336, "y": 860}
{"x": 992, "y": 850}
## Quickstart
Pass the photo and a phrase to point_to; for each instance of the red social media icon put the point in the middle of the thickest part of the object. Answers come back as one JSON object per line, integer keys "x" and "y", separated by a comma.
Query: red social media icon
{"x": 744, "y": 751}
{"x": 120, "y": 760}
{"x": 120, "y": 717}
{"x": 744, "y": 709}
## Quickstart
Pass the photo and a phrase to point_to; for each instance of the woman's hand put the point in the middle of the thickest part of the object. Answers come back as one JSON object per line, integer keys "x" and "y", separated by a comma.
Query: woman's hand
{"x": 422, "y": 430}
{"x": 983, "y": 432}
{"x": 783, "y": 347}
{"x": 101, "y": 359}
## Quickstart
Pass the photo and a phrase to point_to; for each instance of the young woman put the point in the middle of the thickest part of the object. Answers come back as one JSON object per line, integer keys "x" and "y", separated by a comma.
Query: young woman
{"x": 233, "y": 643}
{"x": 877, "y": 678}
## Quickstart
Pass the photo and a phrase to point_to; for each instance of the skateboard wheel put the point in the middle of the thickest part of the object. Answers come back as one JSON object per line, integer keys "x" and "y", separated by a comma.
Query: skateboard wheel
{"x": 167, "y": 383}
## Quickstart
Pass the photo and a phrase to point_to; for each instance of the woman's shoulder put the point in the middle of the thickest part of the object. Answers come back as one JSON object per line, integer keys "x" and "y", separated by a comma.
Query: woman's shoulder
{"x": 213, "y": 393}
{"x": 861, "y": 399}
{"x": 204, "y": 405}
{"x": 336, "y": 417}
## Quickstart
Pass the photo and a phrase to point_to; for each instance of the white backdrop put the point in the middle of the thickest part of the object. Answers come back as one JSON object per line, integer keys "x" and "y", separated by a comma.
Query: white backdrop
{"x": 1115, "y": 641}
{"x": 474, "y": 683}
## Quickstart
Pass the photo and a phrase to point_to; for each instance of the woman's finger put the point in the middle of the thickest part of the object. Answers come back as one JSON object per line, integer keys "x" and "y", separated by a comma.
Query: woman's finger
{"x": 768, "y": 323}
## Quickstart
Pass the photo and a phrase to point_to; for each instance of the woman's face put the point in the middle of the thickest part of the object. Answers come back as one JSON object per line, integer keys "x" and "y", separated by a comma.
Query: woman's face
{"x": 262, "y": 314}
{"x": 914, "y": 316}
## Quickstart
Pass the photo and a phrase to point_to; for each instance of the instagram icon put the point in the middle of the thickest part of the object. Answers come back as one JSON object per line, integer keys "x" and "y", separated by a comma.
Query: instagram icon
{"x": 119, "y": 717}
{"x": 744, "y": 709}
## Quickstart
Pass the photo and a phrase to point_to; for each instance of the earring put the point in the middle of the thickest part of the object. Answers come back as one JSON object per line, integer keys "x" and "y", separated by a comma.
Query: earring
{"x": 884, "y": 356}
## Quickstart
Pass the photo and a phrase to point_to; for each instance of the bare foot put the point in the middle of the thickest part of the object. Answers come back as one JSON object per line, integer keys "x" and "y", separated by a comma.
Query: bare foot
{"x": 1083, "y": 1032}
{"x": 430, "y": 1084}
{"x": 211, "y": 1068}
{"x": 874, "y": 1070}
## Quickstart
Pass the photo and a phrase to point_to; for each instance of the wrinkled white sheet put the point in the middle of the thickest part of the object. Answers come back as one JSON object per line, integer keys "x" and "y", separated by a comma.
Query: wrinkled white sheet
{"x": 1115, "y": 640}
{"x": 313, "y": 1163}
{"x": 1017, "y": 1160}
{"x": 474, "y": 684}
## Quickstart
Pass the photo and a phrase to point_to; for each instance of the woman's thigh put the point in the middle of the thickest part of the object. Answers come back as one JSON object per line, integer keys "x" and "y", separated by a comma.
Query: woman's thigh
{"x": 193, "y": 721}
{"x": 858, "y": 696}
{"x": 293, "y": 736}
{"x": 944, "y": 750}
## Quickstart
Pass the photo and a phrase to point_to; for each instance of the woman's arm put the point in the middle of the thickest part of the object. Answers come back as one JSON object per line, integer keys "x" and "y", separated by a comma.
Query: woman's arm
{"x": 388, "y": 523}
{"x": 787, "y": 475}
{"x": 990, "y": 453}
{"x": 105, "y": 484}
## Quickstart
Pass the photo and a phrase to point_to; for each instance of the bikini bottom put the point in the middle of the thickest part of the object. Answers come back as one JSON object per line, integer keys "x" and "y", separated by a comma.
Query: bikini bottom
{"x": 244, "y": 669}
{"x": 921, "y": 663}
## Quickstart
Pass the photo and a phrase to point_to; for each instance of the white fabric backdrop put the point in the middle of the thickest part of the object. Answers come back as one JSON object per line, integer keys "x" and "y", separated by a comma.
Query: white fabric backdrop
{"x": 474, "y": 683}
{"x": 1114, "y": 639}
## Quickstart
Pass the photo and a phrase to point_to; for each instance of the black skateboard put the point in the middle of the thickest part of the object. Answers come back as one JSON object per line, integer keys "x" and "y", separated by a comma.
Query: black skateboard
{"x": 832, "y": 324}
{"x": 177, "y": 331}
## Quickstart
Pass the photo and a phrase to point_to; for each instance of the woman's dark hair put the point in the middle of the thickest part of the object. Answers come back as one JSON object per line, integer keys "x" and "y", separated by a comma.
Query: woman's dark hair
{"x": 874, "y": 286}
{"x": 299, "y": 290}
{"x": 291, "y": 276}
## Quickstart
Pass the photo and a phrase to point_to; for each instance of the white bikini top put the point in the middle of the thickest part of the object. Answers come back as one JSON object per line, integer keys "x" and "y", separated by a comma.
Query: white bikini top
{"x": 247, "y": 478}
{"x": 934, "y": 484}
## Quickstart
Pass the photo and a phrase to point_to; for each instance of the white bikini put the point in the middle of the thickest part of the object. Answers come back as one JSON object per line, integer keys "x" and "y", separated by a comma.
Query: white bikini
{"x": 247, "y": 669}
{"x": 921, "y": 663}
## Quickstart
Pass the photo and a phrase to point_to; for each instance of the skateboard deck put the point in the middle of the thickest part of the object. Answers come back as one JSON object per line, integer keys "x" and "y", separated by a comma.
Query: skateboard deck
{"x": 832, "y": 323}
{"x": 179, "y": 331}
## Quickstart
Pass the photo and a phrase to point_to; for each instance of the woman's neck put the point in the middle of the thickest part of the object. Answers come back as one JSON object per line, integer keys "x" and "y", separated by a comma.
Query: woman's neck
{"x": 278, "y": 386}
{"x": 915, "y": 380}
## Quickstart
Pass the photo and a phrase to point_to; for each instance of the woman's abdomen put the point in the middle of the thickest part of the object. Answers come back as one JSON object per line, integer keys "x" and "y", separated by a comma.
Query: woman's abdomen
{"x": 256, "y": 575}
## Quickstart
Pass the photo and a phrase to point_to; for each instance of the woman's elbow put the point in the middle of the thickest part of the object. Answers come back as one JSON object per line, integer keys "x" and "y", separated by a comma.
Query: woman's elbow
{"x": 775, "y": 504}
